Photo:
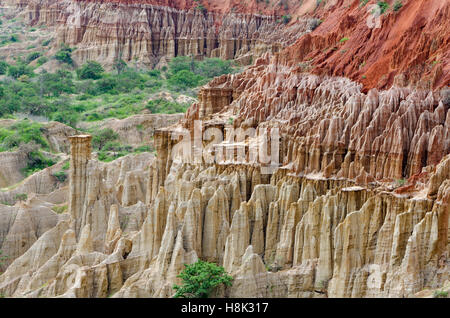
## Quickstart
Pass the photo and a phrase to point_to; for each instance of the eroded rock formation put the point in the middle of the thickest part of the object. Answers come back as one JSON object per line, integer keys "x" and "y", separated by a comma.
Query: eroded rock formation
{"x": 148, "y": 32}
{"x": 357, "y": 206}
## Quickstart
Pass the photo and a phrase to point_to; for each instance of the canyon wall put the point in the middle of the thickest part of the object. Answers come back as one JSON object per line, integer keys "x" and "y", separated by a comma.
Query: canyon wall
{"x": 147, "y": 33}
{"x": 407, "y": 46}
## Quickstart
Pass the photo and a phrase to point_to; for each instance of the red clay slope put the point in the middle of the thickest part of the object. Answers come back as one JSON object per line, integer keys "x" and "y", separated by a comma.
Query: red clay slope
{"x": 411, "y": 47}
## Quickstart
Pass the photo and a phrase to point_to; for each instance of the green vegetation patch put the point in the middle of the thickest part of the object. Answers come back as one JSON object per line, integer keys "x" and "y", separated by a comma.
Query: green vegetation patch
{"x": 200, "y": 279}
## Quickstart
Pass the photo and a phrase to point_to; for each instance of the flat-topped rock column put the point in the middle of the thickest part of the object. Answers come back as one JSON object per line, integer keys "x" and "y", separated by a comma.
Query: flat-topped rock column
{"x": 80, "y": 156}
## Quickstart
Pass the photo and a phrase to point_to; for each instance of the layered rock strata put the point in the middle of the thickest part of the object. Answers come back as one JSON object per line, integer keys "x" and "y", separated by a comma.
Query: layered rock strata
{"x": 150, "y": 33}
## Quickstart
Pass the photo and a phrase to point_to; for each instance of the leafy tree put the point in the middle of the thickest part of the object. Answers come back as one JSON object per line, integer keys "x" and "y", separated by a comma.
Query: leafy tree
{"x": 90, "y": 70}
{"x": 3, "y": 67}
{"x": 106, "y": 85}
{"x": 104, "y": 136}
{"x": 64, "y": 55}
{"x": 200, "y": 279}
{"x": 120, "y": 65}
{"x": 18, "y": 70}
{"x": 55, "y": 84}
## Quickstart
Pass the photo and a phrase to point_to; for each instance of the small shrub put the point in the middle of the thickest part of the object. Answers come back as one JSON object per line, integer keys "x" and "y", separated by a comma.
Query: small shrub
{"x": 3, "y": 67}
{"x": 42, "y": 60}
{"x": 143, "y": 148}
{"x": 343, "y": 40}
{"x": 64, "y": 55}
{"x": 200, "y": 279}
{"x": 59, "y": 209}
{"x": 286, "y": 18}
{"x": 14, "y": 38}
{"x": 61, "y": 176}
{"x": 66, "y": 166}
{"x": 36, "y": 161}
{"x": 32, "y": 56}
{"x": 46, "y": 42}
{"x": 440, "y": 294}
{"x": 18, "y": 70}
{"x": 383, "y": 5}
{"x": 21, "y": 197}
{"x": 398, "y": 5}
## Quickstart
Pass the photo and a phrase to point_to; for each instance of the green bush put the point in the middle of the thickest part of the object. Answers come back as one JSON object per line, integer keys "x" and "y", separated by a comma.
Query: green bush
{"x": 22, "y": 132}
{"x": 398, "y": 5}
{"x": 90, "y": 70}
{"x": 66, "y": 166}
{"x": 106, "y": 85}
{"x": 42, "y": 60}
{"x": 61, "y": 175}
{"x": 184, "y": 79}
{"x": 440, "y": 294}
{"x": 200, "y": 279}
{"x": 21, "y": 197}
{"x": 120, "y": 66}
{"x": 46, "y": 42}
{"x": 101, "y": 138}
{"x": 286, "y": 18}
{"x": 18, "y": 70}
{"x": 32, "y": 56}
{"x": 36, "y": 160}
{"x": 3, "y": 67}
{"x": 383, "y": 5}
{"x": 64, "y": 55}
{"x": 55, "y": 84}
{"x": 60, "y": 208}
{"x": 14, "y": 38}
